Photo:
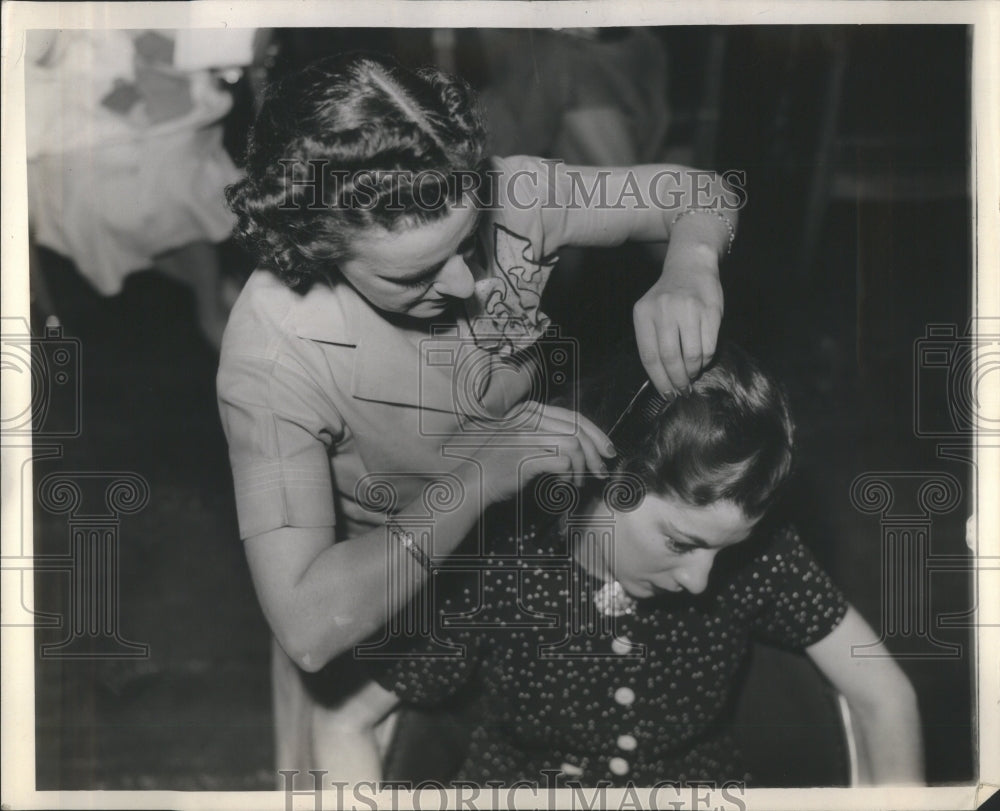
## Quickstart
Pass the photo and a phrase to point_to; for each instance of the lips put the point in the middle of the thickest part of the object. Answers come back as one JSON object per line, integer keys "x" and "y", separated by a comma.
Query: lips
{"x": 430, "y": 307}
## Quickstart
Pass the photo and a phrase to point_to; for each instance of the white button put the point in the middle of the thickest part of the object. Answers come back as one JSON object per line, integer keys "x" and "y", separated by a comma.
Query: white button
{"x": 618, "y": 765}
{"x": 621, "y": 644}
{"x": 624, "y": 696}
{"x": 627, "y": 742}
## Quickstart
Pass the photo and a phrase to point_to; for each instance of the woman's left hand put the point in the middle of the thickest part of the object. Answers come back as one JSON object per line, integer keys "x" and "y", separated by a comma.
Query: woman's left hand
{"x": 677, "y": 320}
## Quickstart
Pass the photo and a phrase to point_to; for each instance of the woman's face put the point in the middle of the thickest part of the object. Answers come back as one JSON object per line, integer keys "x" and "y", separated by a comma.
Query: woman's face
{"x": 418, "y": 271}
{"x": 668, "y": 545}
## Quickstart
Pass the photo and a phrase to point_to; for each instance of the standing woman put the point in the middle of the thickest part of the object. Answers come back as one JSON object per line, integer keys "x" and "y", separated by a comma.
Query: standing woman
{"x": 359, "y": 203}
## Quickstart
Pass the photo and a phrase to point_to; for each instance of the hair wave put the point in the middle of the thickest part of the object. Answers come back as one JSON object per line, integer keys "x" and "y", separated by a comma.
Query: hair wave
{"x": 350, "y": 143}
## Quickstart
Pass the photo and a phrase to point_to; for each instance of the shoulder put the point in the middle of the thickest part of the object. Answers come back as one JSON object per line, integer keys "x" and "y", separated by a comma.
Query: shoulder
{"x": 527, "y": 197}
{"x": 271, "y": 333}
{"x": 792, "y": 600}
{"x": 784, "y": 550}
{"x": 270, "y": 317}
{"x": 259, "y": 318}
{"x": 528, "y": 166}
{"x": 768, "y": 562}
{"x": 516, "y": 186}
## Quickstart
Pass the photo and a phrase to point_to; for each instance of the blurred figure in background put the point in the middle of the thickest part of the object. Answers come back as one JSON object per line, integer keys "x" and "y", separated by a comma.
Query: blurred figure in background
{"x": 126, "y": 166}
{"x": 587, "y": 96}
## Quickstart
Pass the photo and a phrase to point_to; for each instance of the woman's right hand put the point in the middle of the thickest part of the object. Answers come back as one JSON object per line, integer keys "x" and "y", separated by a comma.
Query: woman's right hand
{"x": 535, "y": 439}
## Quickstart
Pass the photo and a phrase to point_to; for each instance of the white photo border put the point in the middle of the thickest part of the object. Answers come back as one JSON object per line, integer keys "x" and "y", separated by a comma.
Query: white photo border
{"x": 18, "y": 644}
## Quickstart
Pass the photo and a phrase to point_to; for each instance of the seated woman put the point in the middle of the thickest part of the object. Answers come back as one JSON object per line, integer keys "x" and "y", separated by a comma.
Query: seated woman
{"x": 607, "y": 645}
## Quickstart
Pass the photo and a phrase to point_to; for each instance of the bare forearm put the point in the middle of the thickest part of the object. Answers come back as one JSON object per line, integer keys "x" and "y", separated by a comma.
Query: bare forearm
{"x": 322, "y": 598}
{"x": 348, "y": 590}
{"x": 882, "y": 701}
{"x": 690, "y": 207}
{"x": 890, "y": 744}
{"x": 646, "y": 203}
{"x": 705, "y": 233}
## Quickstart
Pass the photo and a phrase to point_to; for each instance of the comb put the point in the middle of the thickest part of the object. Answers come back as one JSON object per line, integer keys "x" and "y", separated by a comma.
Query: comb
{"x": 645, "y": 406}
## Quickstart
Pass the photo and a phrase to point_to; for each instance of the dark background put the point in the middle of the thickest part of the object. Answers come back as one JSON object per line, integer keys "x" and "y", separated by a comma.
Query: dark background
{"x": 830, "y": 282}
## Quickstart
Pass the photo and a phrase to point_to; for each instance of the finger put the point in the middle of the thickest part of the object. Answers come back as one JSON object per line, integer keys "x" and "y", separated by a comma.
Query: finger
{"x": 594, "y": 439}
{"x": 577, "y": 461}
{"x": 556, "y": 416}
{"x": 533, "y": 417}
{"x": 671, "y": 356}
{"x": 710, "y": 322}
{"x": 689, "y": 328}
{"x": 519, "y": 417}
{"x": 567, "y": 462}
{"x": 590, "y": 461}
{"x": 649, "y": 349}
{"x": 590, "y": 436}
{"x": 559, "y": 465}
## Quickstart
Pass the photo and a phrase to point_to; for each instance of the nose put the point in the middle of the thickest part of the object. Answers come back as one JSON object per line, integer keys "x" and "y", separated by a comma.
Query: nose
{"x": 693, "y": 577}
{"x": 455, "y": 279}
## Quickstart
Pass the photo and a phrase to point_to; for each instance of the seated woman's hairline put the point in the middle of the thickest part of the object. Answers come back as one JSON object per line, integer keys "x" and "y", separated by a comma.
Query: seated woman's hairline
{"x": 731, "y": 439}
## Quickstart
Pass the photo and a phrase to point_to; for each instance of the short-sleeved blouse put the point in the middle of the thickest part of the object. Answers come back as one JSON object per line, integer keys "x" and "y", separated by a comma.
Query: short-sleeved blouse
{"x": 319, "y": 391}
{"x": 640, "y": 697}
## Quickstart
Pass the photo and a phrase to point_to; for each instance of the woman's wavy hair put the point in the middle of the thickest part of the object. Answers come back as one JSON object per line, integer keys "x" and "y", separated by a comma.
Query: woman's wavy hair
{"x": 348, "y": 143}
{"x": 730, "y": 439}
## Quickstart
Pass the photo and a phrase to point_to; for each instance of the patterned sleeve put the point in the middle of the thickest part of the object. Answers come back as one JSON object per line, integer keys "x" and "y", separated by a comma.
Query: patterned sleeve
{"x": 554, "y": 205}
{"x": 538, "y": 207}
{"x": 797, "y": 603}
{"x": 533, "y": 214}
{"x": 428, "y": 665}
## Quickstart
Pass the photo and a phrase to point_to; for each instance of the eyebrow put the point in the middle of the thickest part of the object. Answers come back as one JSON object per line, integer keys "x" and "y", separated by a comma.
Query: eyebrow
{"x": 698, "y": 543}
{"x": 692, "y": 541}
{"x": 420, "y": 275}
{"x": 426, "y": 273}
{"x": 671, "y": 530}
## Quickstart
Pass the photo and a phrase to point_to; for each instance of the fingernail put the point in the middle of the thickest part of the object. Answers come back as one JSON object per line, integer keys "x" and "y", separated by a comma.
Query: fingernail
{"x": 689, "y": 390}
{"x": 611, "y": 449}
{"x": 604, "y": 471}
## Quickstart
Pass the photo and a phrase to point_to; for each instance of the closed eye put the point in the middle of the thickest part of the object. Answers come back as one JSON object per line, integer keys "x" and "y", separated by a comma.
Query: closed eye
{"x": 417, "y": 284}
{"x": 466, "y": 248}
{"x": 679, "y": 547}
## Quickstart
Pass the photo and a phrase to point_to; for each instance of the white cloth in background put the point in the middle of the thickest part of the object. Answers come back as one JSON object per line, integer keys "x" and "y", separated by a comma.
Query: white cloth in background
{"x": 107, "y": 188}
{"x": 201, "y": 48}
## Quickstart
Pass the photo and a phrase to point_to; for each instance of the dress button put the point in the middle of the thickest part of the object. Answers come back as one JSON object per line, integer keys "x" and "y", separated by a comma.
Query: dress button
{"x": 621, "y": 644}
{"x": 570, "y": 769}
{"x": 624, "y": 696}
{"x": 618, "y": 766}
{"x": 627, "y": 742}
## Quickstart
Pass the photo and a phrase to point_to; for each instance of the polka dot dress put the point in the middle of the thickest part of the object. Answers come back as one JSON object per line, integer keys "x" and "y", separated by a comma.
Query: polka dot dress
{"x": 639, "y": 697}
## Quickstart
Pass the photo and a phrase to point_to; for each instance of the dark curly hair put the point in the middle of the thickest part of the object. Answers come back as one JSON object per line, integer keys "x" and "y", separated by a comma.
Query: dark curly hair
{"x": 348, "y": 143}
{"x": 730, "y": 439}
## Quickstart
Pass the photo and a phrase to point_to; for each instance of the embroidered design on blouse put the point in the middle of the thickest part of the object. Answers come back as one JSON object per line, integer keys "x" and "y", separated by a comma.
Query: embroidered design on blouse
{"x": 504, "y": 310}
